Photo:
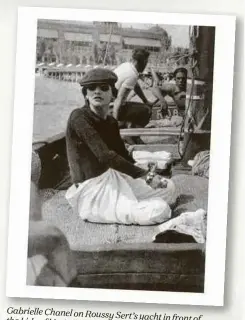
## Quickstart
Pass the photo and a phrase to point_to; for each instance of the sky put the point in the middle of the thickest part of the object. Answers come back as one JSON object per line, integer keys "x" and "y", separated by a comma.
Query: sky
{"x": 179, "y": 34}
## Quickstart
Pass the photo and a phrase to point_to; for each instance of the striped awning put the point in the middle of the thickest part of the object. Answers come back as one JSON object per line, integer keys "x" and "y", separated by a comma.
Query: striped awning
{"x": 142, "y": 42}
{"x": 114, "y": 38}
{"x": 74, "y": 36}
{"x": 47, "y": 33}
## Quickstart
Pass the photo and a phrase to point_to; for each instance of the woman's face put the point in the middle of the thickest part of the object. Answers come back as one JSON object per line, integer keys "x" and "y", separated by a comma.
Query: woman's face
{"x": 99, "y": 95}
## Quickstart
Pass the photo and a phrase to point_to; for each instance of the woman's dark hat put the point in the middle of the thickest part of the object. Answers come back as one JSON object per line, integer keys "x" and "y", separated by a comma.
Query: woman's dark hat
{"x": 98, "y": 75}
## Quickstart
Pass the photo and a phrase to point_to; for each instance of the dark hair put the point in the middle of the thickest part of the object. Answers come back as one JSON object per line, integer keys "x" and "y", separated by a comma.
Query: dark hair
{"x": 140, "y": 54}
{"x": 180, "y": 69}
{"x": 113, "y": 89}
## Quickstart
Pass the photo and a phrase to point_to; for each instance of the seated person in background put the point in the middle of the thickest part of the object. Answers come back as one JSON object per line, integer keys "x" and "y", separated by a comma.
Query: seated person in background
{"x": 176, "y": 90}
{"x": 107, "y": 186}
{"x": 130, "y": 113}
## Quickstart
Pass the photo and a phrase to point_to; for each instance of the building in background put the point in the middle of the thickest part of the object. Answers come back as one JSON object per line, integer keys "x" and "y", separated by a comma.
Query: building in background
{"x": 70, "y": 42}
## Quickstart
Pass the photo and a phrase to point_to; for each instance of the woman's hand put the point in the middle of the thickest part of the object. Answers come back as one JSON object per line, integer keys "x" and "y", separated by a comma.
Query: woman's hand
{"x": 158, "y": 182}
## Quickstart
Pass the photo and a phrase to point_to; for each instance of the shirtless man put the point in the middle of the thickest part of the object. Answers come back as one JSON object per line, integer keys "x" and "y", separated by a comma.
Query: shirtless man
{"x": 176, "y": 90}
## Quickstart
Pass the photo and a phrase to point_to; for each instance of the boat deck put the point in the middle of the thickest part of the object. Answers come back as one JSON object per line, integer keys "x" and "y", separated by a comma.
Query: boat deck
{"x": 191, "y": 191}
{"x": 127, "y": 257}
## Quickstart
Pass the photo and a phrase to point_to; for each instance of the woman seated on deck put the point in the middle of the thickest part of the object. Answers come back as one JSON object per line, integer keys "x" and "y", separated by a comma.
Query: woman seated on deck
{"x": 107, "y": 186}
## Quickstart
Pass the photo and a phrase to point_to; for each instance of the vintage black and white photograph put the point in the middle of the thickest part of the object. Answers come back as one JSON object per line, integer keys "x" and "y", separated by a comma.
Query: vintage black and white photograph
{"x": 121, "y": 155}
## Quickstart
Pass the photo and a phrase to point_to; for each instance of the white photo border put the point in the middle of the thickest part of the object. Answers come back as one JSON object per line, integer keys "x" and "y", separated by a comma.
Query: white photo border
{"x": 22, "y": 148}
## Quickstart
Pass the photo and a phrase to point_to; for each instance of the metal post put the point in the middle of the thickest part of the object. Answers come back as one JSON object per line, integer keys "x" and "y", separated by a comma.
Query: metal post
{"x": 194, "y": 143}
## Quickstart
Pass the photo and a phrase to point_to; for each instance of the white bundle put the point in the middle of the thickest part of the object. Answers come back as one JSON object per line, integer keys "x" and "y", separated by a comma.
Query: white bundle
{"x": 189, "y": 223}
{"x": 114, "y": 197}
{"x": 160, "y": 158}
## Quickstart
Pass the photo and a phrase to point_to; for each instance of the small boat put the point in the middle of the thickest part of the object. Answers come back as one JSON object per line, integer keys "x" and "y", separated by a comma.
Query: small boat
{"x": 119, "y": 256}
